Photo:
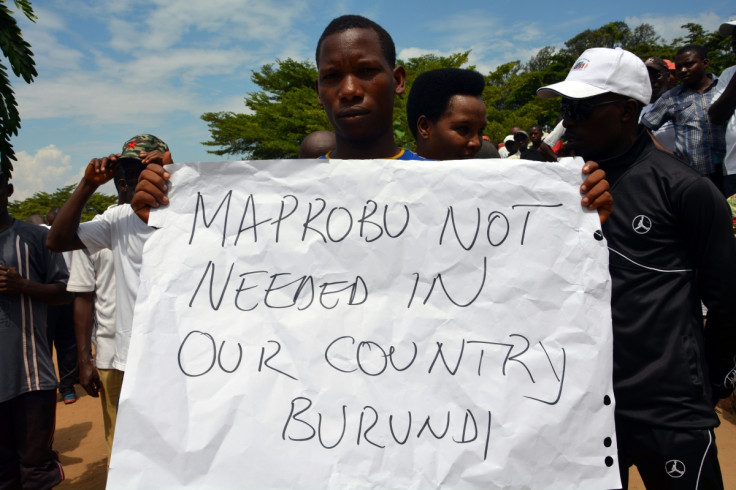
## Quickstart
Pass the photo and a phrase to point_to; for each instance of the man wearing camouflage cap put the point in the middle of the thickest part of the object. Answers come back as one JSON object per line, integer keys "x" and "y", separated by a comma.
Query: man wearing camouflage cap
{"x": 670, "y": 246}
{"x": 659, "y": 76}
{"x": 119, "y": 230}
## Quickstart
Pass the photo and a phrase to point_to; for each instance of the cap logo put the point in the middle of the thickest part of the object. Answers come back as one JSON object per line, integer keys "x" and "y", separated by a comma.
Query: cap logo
{"x": 132, "y": 144}
{"x": 580, "y": 64}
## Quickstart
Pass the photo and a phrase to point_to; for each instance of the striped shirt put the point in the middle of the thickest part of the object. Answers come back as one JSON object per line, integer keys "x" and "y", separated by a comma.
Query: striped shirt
{"x": 701, "y": 144}
{"x": 25, "y": 356}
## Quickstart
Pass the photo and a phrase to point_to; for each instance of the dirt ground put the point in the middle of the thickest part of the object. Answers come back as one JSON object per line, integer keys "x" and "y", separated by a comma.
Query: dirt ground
{"x": 81, "y": 444}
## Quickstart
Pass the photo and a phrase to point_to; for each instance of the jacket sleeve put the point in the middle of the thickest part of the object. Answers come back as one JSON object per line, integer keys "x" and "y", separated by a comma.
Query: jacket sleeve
{"x": 708, "y": 229}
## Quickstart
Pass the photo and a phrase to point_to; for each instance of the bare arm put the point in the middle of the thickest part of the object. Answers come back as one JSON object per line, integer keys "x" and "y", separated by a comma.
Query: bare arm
{"x": 11, "y": 282}
{"x": 89, "y": 378}
{"x": 63, "y": 233}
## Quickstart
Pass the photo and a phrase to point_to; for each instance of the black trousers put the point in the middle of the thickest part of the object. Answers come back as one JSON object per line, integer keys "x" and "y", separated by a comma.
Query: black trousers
{"x": 61, "y": 333}
{"x": 675, "y": 459}
{"x": 26, "y": 431}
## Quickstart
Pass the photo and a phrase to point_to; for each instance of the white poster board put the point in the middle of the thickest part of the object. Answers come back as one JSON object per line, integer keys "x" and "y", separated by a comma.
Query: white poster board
{"x": 353, "y": 324}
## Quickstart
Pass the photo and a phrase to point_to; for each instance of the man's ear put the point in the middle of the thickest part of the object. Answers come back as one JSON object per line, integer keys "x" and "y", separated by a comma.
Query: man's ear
{"x": 316, "y": 89}
{"x": 10, "y": 189}
{"x": 630, "y": 111}
{"x": 399, "y": 74}
{"x": 424, "y": 127}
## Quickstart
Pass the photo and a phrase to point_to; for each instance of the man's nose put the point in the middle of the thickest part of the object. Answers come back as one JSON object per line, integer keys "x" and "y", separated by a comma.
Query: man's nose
{"x": 350, "y": 87}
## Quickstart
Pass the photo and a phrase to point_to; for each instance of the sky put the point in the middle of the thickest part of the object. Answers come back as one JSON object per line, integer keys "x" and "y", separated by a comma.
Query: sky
{"x": 112, "y": 69}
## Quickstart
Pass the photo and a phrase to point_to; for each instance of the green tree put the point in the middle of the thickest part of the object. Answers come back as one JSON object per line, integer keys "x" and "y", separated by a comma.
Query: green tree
{"x": 280, "y": 115}
{"x": 20, "y": 57}
{"x": 42, "y": 202}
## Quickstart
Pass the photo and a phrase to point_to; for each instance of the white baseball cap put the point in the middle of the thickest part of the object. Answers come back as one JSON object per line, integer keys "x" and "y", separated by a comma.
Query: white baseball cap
{"x": 726, "y": 29}
{"x": 603, "y": 70}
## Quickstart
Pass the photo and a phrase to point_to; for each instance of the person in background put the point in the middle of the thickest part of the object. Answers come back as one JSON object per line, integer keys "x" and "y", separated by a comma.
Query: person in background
{"x": 659, "y": 79}
{"x": 31, "y": 277}
{"x": 539, "y": 150}
{"x": 446, "y": 114}
{"x": 92, "y": 280}
{"x": 701, "y": 144}
{"x": 488, "y": 149}
{"x": 723, "y": 110}
{"x": 509, "y": 147}
{"x": 119, "y": 230}
{"x": 317, "y": 144}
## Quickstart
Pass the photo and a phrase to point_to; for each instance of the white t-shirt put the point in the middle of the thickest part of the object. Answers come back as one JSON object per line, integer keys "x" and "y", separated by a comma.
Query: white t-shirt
{"x": 95, "y": 273}
{"x": 120, "y": 230}
{"x": 730, "y": 161}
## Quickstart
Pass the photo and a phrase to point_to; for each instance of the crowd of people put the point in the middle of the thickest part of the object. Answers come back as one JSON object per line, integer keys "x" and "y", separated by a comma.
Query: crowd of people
{"x": 665, "y": 153}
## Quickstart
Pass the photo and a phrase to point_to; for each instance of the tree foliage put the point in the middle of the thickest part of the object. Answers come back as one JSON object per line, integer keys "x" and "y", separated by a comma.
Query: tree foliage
{"x": 42, "y": 202}
{"x": 286, "y": 109}
{"x": 280, "y": 115}
{"x": 20, "y": 57}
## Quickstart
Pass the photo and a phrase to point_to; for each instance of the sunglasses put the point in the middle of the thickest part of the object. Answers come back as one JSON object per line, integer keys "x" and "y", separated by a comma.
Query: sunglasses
{"x": 580, "y": 110}
{"x": 656, "y": 74}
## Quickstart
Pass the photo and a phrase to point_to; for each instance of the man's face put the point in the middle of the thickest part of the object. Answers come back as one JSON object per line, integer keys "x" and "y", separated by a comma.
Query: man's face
{"x": 690, "y": 68}
{"x": 458, "y": 133}
{"x": 659, "y": 80}
{"x": 535, "y": 135}
{"x": 6, "y": 190}
{"x": 356, "y": 85}
{"x": 592, "y": 126}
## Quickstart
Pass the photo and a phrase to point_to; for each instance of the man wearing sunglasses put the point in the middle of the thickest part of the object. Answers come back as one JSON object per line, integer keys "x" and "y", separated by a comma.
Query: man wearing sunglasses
{"x": 670, "y": 246}
{"x": 659, "y": 76}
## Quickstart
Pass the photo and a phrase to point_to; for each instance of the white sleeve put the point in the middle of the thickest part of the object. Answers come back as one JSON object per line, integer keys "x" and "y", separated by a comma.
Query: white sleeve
{"x": 97, "y": 234}
{"x": 723, "y": 82}
{"x": 556, "y": 135}
{"x": 81, "y": 274}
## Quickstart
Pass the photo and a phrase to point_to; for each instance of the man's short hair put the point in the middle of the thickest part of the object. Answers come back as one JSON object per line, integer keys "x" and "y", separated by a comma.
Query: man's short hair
{"x": 345, "y": 22}
{"x": 431, "y": 92}
{"x": 696, "y": 48}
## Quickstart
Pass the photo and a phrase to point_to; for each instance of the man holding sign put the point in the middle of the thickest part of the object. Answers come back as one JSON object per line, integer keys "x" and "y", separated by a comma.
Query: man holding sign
{"x": 670, "y": 247}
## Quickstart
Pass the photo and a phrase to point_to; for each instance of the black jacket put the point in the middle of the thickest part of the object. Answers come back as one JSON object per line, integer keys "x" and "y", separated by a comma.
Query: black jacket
{"x": 670, "y": 245}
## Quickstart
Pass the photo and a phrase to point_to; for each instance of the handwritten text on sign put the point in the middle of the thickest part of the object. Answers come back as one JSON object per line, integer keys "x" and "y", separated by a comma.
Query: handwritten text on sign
{"x": 363, "y": 323}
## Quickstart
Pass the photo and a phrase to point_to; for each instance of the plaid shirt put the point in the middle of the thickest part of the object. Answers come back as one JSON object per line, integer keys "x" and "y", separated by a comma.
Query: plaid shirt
{"x": 699, "y": 142}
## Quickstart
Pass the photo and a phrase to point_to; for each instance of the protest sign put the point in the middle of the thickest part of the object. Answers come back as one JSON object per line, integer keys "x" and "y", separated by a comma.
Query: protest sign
{"x": 374, "y": 323}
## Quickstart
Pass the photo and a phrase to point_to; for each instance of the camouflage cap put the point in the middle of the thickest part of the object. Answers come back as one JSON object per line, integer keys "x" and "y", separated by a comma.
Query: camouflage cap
{"x": 142, "y": 143}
